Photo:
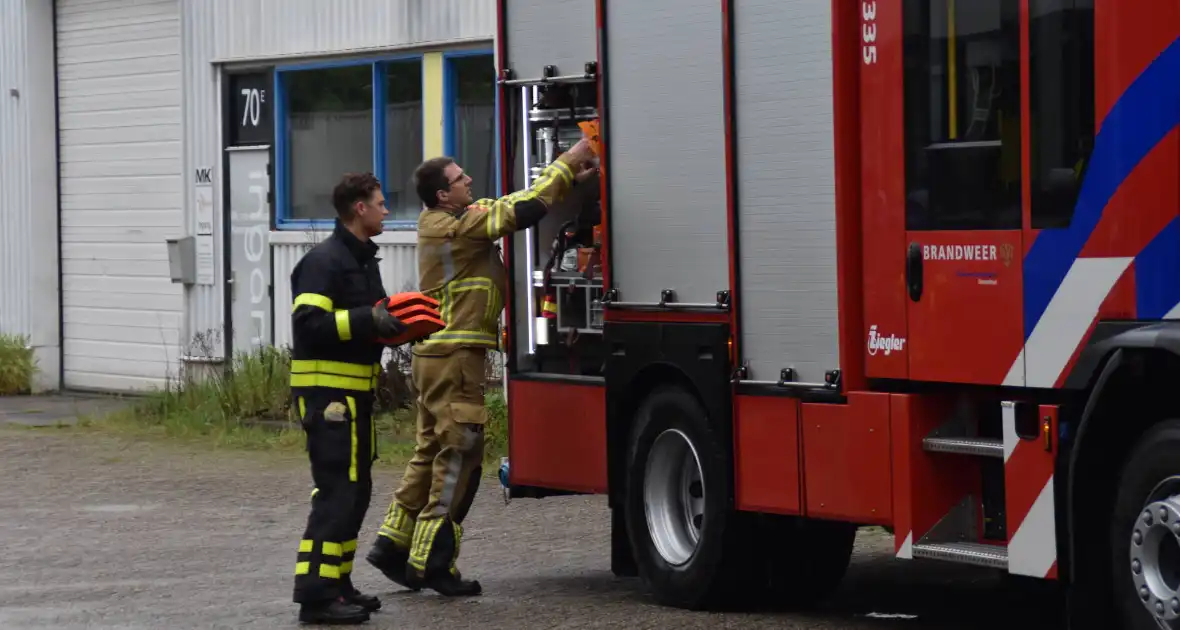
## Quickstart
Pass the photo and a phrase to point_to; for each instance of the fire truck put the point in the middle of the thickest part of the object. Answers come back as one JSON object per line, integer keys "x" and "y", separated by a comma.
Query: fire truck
{"x": 912, "y": 264}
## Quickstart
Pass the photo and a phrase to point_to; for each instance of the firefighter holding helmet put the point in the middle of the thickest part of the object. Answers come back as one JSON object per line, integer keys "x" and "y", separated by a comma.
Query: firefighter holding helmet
{"x": 459, "y": 264}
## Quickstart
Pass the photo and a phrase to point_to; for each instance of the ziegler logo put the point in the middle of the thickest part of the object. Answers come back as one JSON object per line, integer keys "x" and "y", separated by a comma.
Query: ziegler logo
{"x": 889, "y": 344}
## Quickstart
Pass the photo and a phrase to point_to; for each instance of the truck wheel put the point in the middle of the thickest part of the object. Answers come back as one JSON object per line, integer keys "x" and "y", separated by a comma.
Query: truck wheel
{"x": 678, "y": 518}
{"x": 806, "y": 559}
{"x": 1145, "y": 532}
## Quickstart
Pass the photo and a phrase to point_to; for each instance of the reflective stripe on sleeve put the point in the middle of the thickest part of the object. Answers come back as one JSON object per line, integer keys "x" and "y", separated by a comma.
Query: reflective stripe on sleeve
{"x": 343, "y": 325}
{"x": 312, "y": 299}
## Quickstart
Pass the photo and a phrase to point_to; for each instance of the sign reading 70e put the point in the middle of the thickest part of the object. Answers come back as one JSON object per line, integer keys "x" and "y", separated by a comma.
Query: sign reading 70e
{"x": 251, "y": 111}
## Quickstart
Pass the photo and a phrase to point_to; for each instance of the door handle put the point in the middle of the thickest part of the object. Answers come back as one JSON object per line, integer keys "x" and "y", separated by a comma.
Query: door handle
{"x": 913, "y": 271}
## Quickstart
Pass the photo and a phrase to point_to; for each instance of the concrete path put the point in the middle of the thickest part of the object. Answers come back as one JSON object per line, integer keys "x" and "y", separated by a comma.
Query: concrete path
{"x": 54, "y": 409}
{"x": 101, "y": 532}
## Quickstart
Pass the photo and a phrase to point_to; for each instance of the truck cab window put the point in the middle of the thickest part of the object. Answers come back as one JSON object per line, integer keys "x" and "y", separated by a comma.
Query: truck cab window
{"x": 1061, "y": 96}
{"x": 962, "y": 114}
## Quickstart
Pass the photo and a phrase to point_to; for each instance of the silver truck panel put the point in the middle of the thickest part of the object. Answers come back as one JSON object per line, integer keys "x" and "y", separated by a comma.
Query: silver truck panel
{"x": 786, "y": 187}
{"x": 561, "y": 33}
{"x": 666, "y": 149}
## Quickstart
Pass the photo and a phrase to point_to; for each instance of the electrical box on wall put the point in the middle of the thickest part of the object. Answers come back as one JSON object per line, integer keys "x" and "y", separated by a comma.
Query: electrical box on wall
{"x": 182, "y": 259}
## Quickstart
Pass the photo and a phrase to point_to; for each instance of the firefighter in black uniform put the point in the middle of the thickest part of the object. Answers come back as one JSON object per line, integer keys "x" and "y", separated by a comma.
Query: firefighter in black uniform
{"x": 338, "y": 317}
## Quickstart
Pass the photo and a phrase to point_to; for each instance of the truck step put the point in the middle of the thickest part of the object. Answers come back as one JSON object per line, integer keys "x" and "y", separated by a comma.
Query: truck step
{"x": 977, "y": 554}
{"x": 983, "y": 447}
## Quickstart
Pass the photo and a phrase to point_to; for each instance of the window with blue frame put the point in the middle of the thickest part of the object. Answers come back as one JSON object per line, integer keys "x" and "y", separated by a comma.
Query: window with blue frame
{"x": 471, "y": 118}
{"x": 403, "y": 138}
{"x": 341, "y": 117}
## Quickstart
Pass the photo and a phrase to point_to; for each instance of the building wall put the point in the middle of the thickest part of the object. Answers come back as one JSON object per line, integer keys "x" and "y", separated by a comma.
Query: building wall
{"x": 298, "y": 36}
{"x": 28, "y": 184}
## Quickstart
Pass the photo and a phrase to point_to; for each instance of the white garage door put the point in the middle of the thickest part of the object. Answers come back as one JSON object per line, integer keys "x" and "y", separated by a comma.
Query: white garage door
{"x": 120, "y": 94}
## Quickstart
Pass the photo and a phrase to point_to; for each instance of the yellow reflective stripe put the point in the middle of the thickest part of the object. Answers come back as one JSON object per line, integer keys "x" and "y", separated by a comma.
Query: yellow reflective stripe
{"x": 490, "y": 313}
{"x": 329, "y": 571}
{"x": 496, "y": 208}
{"x": 333, "y": 549}
{"x": 305, "y": 546}
{"x": 343, "y": 326}
{"x": 314, "y": 491}
{"x": 302, "y": 568}
{"x": 475, "y": 341}
{"x": 446, "y": 298}
{"x": 302, "y": 408}
{"x": 495, "y": 217}
{"x": 465, "y": 336}
{"x": 423, "y": 538}
{"x": 312, "y": 299}
{"x": 349, "y": 546}
{"x": 346, "y": 567}
{"x": 338, "y": 368}
{"x": 458, "y": 545}
{"x": 334, "y": 382}
{"x": 563, "y": 170}
{"x": 401, "y": 539}
{"x": 352, "y": 435}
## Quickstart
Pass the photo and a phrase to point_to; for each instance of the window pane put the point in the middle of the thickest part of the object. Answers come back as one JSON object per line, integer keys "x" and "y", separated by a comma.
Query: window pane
{"x": 962, "y": 114}
{"x": 1061, "y": 82}
{"x": 403, "y": 131}
{"x": 474, "y": 123}
{"x": 330, "y": 133}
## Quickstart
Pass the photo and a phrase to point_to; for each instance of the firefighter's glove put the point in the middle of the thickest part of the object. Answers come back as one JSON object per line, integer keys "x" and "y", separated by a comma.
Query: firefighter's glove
{"x": 386, "y": 324}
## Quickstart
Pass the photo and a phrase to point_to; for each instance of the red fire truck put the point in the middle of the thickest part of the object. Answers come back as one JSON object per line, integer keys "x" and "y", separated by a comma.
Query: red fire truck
{"x": 904, "y": 263}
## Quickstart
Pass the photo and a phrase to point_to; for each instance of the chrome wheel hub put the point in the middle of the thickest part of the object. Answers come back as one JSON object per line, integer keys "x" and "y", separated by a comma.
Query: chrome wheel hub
{"x": 674, "y": 497}
{"x": 1155, "y": 554}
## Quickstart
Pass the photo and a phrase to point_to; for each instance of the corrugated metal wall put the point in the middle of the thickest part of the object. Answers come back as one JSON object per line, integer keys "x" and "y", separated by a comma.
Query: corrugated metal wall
{"x": 28, "y": 183}
{"x": 16, "y": 317}
{"x": 268, "y": 31}
{"x": 202, "y": 143}
{"x": 399, "y": 271}
{"x": 250, "y": 29}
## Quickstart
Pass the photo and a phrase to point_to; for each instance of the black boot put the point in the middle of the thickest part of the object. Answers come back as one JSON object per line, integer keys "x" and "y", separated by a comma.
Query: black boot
{"x": 390, "y": 560}
{"x": 336, "y": 612}
{"x": 446, "y": 583}
{"x": 439, "y": 575}
{"x": 369, "y": 602}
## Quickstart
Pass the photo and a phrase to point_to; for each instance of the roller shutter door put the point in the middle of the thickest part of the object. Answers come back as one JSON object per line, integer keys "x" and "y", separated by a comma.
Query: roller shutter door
{"x": 119, "y": 78}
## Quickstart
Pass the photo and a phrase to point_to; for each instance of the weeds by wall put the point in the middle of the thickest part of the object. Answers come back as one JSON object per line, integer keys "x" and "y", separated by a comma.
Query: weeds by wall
{"x": 17, "y": 365}
{"x": 248, "y": 404}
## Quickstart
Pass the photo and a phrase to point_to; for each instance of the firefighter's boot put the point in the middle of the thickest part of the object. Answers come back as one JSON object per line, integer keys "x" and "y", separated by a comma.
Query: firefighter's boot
{"x": 439, "y": 572}
{"x": 336, "y": 612}
{"x": 352, "y": 596}
{"x": 390, "y": 560}
{"x": 391, "y": 550}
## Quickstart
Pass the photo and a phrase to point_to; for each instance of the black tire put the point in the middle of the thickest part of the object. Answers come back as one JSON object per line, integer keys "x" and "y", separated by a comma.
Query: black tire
{"x": 1154, "y": 459}
{"x": 806, "y": 558}
{"x": 713, "y": 573}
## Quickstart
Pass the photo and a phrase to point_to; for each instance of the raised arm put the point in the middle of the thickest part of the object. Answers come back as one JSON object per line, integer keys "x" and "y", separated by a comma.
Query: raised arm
{"x": 492, "y": 219}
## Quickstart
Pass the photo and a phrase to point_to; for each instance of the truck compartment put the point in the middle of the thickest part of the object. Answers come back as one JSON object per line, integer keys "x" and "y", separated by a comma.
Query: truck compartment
{"x": 558, "y": 435}
{"x": 785, "y": 179}
{"x": 557, "y": 266}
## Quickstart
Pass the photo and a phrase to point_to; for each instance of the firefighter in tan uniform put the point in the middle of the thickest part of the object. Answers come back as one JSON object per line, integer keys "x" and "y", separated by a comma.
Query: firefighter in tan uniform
{"x": 459, "y": 264}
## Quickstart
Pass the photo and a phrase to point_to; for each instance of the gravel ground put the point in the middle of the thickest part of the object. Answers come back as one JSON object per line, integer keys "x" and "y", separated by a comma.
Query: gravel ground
{"x": 106, "y": 533}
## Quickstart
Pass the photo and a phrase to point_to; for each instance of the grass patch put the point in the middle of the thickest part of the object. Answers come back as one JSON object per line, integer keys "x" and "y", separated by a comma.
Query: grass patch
{"x": 17, "y": 365}
{"x": 248, "y": 406}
